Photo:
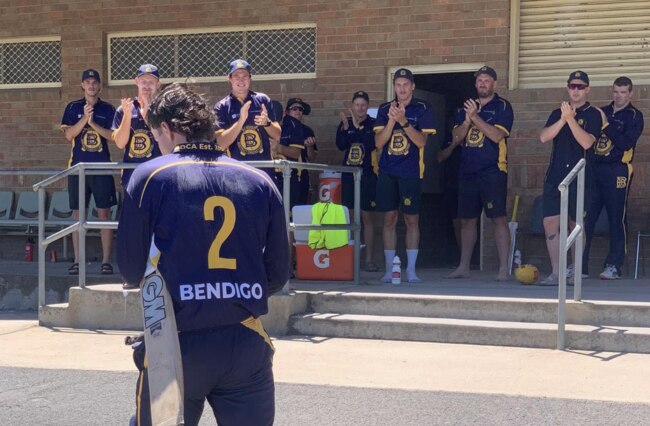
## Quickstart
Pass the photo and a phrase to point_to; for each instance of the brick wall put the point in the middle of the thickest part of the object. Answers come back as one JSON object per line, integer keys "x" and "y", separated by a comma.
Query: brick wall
{"x": 356, "y": 42}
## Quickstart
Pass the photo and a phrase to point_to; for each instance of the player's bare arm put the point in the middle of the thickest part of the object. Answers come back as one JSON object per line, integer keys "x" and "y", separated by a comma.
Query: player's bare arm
{"x": 226, "y": 137}
{"x": 585, "y": 139}
{"x": 291, "y": 152}
{"x": 445, "y": 153}
{"x": 493, "y": 133}
{"x": 549, "y": 133}
{"x": 73, "y": 131}
{"x": 272, "y": 128}
{"x": 382, "y": 136}
{"x": 310, "y": 144}
{"x": 121, "y": 135}
{"x": 103, "y": 132}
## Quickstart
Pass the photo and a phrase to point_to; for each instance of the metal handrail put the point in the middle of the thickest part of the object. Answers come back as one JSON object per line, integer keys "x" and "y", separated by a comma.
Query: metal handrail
{"x": 110, "y": 168}
{"x": 566, "y": 242}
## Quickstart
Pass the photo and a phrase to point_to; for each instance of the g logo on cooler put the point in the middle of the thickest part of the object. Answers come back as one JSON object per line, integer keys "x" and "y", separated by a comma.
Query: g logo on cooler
{"x": 322, "y": 259}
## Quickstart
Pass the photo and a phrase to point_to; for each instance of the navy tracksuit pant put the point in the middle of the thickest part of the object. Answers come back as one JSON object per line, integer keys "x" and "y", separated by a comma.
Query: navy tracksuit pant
{"x": 608, "y": 185}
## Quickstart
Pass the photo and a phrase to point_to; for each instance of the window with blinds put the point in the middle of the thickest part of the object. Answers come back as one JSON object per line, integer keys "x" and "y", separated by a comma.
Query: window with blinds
{"x": 551, "y": 38}
{"x": 274, "y": 52}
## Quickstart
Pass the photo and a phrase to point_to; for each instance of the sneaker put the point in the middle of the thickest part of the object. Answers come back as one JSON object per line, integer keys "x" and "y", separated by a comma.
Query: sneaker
{"x": 550, "y": 281}
{"x": 610, "y": 273}
{"x": 570, "y": 273}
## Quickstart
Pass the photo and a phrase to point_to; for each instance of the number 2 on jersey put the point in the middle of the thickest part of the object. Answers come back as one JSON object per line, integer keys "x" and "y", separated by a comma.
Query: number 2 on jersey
{"x": 215, "y": 261}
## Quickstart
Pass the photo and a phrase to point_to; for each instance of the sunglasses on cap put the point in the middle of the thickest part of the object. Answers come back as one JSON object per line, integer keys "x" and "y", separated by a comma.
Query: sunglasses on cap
{"x": 297, "y": 108}
{"x": 576, "y": 86}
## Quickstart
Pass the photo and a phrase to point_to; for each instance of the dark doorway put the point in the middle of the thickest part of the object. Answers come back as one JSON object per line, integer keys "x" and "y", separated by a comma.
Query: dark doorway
{"x": 446, "y": 93}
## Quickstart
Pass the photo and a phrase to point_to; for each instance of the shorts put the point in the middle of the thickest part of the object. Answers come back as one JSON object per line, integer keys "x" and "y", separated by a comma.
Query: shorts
{"x": 483, "y": 192}
{"x": 552, "y": 200}
{"x": 396, "y": 193}
{"x": 229, "y": 366}
{"x": 368, "y": 190}
{"x": 102, "y": 187}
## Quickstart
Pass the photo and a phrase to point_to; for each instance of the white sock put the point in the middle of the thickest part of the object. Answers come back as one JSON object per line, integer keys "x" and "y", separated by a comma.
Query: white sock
{"x": 412, "y": 257}
{"x": 389, "y": 255}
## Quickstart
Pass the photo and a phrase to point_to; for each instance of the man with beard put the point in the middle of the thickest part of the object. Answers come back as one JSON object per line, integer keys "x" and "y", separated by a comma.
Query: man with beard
{"x": 130, "y": 130}
{"x": 484, "y": 125}
{"x": 86, "y": 123}
{"x": 573, "y": 128}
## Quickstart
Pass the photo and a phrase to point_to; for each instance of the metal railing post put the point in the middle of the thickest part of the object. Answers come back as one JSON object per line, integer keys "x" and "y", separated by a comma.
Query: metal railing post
{"x": 81, "y": 229}
{"x": 357, "y": 223}
{"x": 567, "y": 242}
{"x": 42, "y": 247}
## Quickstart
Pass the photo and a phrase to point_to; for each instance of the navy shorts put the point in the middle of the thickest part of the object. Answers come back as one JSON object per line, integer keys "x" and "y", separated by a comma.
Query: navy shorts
{"x": 396, "y": 193}
{"x": 230, "y": 367}
{"x": 552, "y": 200}
{"x": 368, "y": 191}
{"x": 102, "y": 188}
{"x": 486, "y": 191}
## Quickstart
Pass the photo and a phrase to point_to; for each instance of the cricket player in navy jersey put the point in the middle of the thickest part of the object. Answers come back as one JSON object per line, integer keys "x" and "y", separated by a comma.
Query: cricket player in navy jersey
{"x": 401, "y": 131}
{"x": 297, "y": 108}
{"x": 86, "y": 124}
{"x": 245, "y": 119}
{"x": 219, "y": 225}
{"x": 483, "y": 125}
{"x": 610, "y": 175}
{"x": 573, "y": 128}
{"x": 290, "y": 147}
{"x": 130, "y": 130}
{"x": 356, "y": 138}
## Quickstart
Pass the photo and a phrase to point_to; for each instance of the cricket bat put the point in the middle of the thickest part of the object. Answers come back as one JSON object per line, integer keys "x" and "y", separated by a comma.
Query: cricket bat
{"x": 164, "y": 362}
{"x": 512, "y": 227}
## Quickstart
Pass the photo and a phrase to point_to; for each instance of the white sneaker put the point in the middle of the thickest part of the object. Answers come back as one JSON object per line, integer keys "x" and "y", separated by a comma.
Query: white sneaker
{"x": 550, "y": 281}
{"x": 570, "y": 273}
{"x": 610, "y": 273}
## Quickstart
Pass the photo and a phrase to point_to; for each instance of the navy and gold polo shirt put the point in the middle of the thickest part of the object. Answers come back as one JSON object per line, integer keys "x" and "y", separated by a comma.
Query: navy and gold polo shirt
{"x": 358, "y": 144}
{"x": 619, "y": 136}
{"x": 141, "y": 146}
{"x": 88, "y": 146}
{"x": 400, "y": 156}
{"x": 252, "y": 143}
{"x": 481, "y": 154}
{"x": 566, "y": 149}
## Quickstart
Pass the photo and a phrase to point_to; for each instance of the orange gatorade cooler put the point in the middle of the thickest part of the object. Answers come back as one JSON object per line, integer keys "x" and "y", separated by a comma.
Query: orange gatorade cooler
{"x": 329, "y": 187}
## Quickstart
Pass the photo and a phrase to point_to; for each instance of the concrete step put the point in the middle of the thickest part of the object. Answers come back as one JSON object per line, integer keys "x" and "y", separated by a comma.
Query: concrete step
{"x": 477, "y": 332}
{"x": 482, "y": 308}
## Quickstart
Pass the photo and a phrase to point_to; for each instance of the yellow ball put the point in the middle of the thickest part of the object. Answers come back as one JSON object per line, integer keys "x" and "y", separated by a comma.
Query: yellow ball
{"x": 527, "y": 274}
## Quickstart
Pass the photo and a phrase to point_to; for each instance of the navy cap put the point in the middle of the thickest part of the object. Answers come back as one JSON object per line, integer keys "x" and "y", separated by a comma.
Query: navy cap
{"x": 90, "y": 73}
{"x": 239, "y": 64}
{"x": 403, "y": 73}
{"x": 579, "y": 75}
{"x": 361, "y": 94}
{"x": 487, "y": 71}
{"x": 148, "y": 69}
{"x": 297, "y": 101}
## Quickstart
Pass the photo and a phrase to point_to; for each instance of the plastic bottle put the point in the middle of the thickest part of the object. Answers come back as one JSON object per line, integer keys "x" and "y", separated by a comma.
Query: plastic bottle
{"x": 517, "y": 259}
{"x": 396, "y": 274}
{"x": 29, "y": 250}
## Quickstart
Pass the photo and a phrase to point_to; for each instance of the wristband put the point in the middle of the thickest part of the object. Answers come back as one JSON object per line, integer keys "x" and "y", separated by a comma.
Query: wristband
{"x": 268, "y": 123}
{"x": 404, "y": 126}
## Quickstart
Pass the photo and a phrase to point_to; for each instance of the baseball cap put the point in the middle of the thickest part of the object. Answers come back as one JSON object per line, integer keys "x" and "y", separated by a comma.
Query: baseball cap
{"x": 239, "y": 64}
{"x": 579, "y": 75}
{"x": 90, "y": 73}
{"x": 487, "y": 71}
{"x": 403, "y": 73}
{"x": 361, "y": 94}
{"x": 297, "y": 101}
{"x": 148, "y": 69}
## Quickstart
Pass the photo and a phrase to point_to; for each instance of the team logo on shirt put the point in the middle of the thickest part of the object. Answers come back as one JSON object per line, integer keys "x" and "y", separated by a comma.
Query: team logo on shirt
{"x": 603, "y": 145}
{"x": 474, "y": 138}
{"x": 91, "y": 141}
{"x": 250, "y": 141}
{"x": 141, "y": 145}
{"x": 399, "y": 144}
{"x": 355, "y": 156}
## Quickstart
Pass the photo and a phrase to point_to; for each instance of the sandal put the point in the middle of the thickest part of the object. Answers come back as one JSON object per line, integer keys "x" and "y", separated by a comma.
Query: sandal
{"x": 107, "y": 269}
{"x": 74, "y": 269}
{"x": 371, "y": 267}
